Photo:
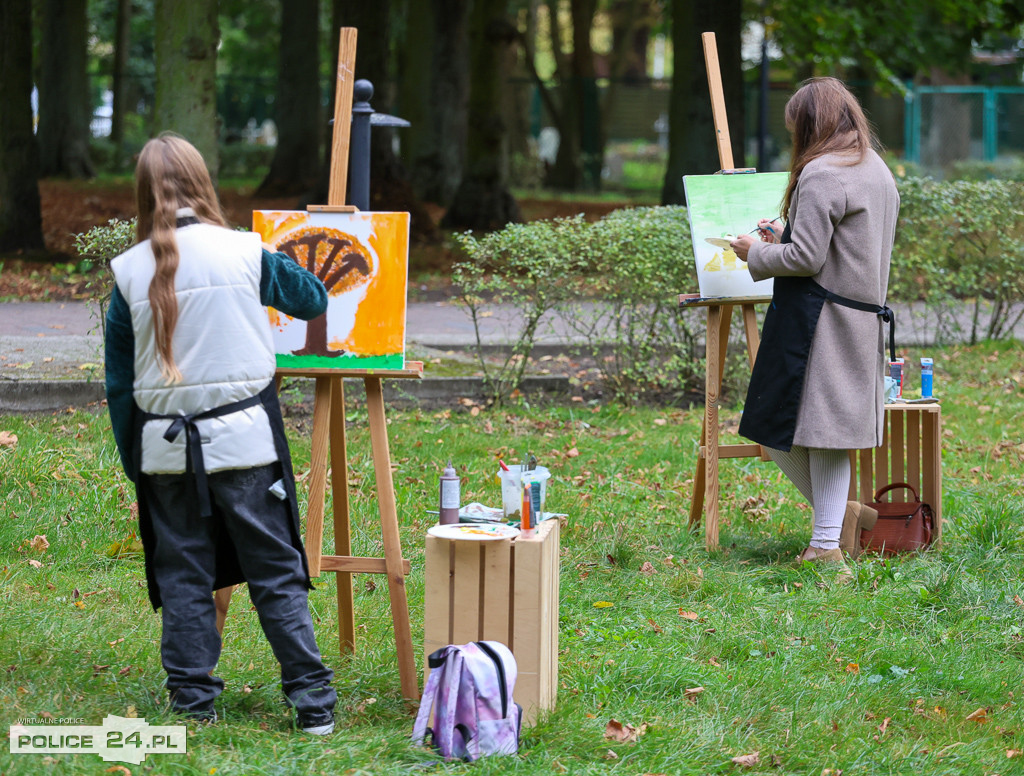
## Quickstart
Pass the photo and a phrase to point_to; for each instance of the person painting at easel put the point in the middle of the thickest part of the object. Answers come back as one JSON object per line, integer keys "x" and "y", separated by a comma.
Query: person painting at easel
{"x": 190, "y": 386}
{"x": 816, "y": 389}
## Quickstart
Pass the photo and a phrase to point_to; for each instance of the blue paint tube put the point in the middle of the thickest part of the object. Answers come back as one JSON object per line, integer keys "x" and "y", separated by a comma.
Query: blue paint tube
{"x": 926, "y": 378}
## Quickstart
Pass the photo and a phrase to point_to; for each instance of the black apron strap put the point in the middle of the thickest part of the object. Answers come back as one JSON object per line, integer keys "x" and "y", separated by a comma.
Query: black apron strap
{"x": 194, "y": 444}
{"x": 886, "y": 313}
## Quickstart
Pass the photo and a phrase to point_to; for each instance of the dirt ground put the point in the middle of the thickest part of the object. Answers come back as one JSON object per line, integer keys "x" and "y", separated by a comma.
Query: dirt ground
{"x": 73, "y": 207}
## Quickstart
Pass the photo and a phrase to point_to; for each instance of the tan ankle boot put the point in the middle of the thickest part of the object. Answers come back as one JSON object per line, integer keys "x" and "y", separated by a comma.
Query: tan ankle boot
{"x": 858, "y": 518}
{"x": 831, "y": 559}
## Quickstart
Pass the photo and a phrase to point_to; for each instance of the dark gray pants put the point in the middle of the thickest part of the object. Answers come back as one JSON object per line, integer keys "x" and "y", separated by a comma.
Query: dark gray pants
{"x": 183, "y": 562}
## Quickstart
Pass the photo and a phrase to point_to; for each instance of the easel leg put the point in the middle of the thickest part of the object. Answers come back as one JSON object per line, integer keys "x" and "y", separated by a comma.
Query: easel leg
{"x": 392, "y": 541}
{"x": 719, "y": 319}
{"x": 342, "y": 523}
{"x": 318, "y": 475}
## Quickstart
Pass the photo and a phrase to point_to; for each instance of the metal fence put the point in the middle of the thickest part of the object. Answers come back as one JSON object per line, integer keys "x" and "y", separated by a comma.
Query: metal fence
{"x": 950, "y": 124}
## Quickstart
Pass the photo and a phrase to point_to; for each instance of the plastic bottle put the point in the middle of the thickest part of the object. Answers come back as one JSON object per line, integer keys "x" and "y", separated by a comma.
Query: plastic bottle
{"x": 450, "y": 497}
{"x": 926, "y": 378}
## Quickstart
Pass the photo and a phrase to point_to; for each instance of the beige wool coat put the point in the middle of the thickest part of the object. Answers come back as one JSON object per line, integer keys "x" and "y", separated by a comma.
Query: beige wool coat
{"x": 843, "y": 222}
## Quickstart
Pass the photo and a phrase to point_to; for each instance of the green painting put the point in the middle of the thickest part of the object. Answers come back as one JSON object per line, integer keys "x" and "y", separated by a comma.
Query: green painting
{"x": 719, "y": 207}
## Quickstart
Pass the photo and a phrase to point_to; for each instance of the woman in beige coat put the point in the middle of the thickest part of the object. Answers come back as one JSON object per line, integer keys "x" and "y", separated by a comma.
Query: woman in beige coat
{"x": 816, "y": 387}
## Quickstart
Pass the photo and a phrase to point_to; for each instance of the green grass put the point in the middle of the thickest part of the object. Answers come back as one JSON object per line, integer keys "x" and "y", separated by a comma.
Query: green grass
{"x": 877, "y": 677}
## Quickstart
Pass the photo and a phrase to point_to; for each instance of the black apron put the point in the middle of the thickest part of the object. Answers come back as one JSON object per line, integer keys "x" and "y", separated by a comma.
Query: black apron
{"x": 228, "y": 571}
{"x": 777, "y": 379}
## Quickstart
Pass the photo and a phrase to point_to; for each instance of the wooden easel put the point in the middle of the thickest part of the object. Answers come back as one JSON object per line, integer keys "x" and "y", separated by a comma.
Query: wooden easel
{"x": 329, "y": 437}
{"x": 719, "y": 312}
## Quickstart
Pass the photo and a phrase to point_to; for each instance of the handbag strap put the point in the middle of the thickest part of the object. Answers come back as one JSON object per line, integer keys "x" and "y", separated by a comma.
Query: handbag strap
{"x": 894, "y": 486}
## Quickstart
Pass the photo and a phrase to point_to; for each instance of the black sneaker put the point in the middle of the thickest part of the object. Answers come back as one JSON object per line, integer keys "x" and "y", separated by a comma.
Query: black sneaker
{"x": 207, "y": 716}
{"x": 321, "y": 724}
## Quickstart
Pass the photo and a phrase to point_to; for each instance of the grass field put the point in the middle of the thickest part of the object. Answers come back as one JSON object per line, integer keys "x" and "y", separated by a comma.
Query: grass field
{"x": 915, "y": 667}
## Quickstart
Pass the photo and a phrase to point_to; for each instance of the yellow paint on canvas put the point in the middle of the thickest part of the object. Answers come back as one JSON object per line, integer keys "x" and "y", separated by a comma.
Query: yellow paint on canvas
{"x": 379, "y": 323}
{"x": 380, "y": 319}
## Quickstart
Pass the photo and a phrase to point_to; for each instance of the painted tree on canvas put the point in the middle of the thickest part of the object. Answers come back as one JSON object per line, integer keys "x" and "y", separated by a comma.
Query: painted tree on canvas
{"x": 340, "y": 263}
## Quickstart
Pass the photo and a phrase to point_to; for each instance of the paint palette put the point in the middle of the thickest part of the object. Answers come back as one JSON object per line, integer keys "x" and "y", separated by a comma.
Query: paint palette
{"x": 720, "y": 242}
{"x": 476, "y": 532}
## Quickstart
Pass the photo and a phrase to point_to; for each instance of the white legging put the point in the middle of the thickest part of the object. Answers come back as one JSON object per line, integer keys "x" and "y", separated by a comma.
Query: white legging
{"x": 823, "y": 477}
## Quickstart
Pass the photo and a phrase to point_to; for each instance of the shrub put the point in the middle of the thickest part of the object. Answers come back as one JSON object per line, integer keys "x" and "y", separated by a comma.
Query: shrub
{"x": 531, "y": 268}
{"x": 644, "y": 344}
{"x": 615, "y": 285}
{"x": 99, "y": 246}
{"x": 960, "y": 242}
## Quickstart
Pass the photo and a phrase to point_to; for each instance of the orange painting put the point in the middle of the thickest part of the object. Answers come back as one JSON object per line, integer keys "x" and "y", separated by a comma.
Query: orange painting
{"x": 362, "y": 259}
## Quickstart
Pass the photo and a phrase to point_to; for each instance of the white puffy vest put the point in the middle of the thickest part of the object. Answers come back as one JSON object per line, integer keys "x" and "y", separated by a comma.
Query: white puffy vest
{"x": 222, "y": 346}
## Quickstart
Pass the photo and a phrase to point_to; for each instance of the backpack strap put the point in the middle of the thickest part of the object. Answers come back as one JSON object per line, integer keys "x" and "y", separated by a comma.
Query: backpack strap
{"x": 499, "y": 666}
{"x": 419, "y": 728}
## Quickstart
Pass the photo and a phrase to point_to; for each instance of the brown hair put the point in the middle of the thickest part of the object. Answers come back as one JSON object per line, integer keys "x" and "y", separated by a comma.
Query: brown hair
{"x": 170, "y": 174}
{"x": 825, "y": 118}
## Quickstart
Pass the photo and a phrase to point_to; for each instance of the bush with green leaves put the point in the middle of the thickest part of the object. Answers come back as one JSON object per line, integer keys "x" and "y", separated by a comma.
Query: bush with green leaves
{"x": 99, "y": 246}
{"x": 615, "y": 284}
{"x": 960, "y": 243}
{"x": 644, "y": 344}
{"x": 531, "y": 268}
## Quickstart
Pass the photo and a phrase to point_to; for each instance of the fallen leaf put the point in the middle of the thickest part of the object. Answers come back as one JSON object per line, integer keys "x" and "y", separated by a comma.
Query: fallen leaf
{"x": 98, "y": 669}
{"x": 747, "y": 760}
{"x": 832, "y": 772}
{"x": 660, "y": 421}
{"x": 610, "y": 755}
{"x": 7, "y": 439}
{"x": 647, "y": 568}
{"x": 853, "y": 668}
{"x": 572, "y": 452}
{"x": 688, "y": 615}
{"x": 691, "y": 693}
{"x": 657, "y": 628}
{"x": 125, "y": 671}
{"x": 617, "y": 731}
{"x": 1018, "y": 600}
{"x": 602, "y": 604}
{"x": 978, "y": 715}
{"x": 885, "y": 724}
{"x": 370, "y": 585}
{"x": 39, "y": 543}
{"x": 118, "y": 769}
{"x": 1011, "y": 753}
{"x": 34, "y": 563}
{"x": 713, "y": 662}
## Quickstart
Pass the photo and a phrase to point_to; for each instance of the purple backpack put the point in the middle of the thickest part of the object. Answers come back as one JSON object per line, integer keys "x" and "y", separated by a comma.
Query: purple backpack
{"x": 470, "y": 692}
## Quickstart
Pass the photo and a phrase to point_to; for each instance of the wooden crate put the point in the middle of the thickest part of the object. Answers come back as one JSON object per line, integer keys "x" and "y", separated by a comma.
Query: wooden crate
{"x": 911, "y": 452}
{"x": 503, "y": 591}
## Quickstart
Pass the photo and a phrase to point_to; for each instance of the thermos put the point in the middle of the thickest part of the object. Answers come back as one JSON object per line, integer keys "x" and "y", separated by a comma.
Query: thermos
{"x": 450, "y": 497}
{"x": 926, "y": 378}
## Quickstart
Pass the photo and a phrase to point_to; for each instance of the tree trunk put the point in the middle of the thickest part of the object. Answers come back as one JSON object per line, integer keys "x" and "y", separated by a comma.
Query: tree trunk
{"x": 435, "y": 87}
{"x": 186, "y": 69}
{"x": 64, "y": 107}
{"x": 296, "y": 163}
{"x": 122, "y": 42}
{"x": 21, "y": 224}
{"x": 483, "y": 200}
{"x": 693, "y": 147}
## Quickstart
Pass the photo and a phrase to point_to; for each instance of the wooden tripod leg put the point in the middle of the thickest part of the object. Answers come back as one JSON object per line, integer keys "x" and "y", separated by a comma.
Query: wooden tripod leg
{"x": 342, "y": 522}
{"x": 392, "y": 542}
{"x": 719, "y": 320}
{"x": 318, "y": 475}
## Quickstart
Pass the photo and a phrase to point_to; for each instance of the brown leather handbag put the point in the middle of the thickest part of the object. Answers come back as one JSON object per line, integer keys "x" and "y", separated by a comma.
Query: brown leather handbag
{"x": 903, "y": 526}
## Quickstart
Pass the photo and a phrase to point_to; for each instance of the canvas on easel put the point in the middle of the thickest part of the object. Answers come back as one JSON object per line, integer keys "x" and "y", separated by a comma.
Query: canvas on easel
{"x": 719, "y": 207}
{"x": 362, "y": 260}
